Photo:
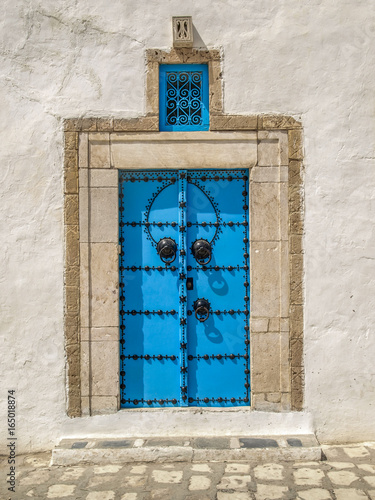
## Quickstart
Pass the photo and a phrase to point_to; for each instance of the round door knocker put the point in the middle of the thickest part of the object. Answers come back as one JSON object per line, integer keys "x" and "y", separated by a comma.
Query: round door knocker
{"x": 202, "y": 251}
{"x": 167, "y": 249}
{"x": 202, "y": 309}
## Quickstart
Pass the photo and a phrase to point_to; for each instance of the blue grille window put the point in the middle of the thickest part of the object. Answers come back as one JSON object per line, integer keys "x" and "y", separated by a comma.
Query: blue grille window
{"x": 183, "y": 97}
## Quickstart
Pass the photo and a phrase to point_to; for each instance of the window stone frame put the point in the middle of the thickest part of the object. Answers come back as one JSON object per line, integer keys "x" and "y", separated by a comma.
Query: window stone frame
{"x": 277, "y": 376}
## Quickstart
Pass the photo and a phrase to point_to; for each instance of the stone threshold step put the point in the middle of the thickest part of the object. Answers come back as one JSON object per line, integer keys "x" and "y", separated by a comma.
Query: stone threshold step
{"x": 197, "y": 449}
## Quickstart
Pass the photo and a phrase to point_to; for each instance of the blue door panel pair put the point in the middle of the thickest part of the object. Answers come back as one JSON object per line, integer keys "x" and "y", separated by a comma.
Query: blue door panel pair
{"x": 184, "y": 288}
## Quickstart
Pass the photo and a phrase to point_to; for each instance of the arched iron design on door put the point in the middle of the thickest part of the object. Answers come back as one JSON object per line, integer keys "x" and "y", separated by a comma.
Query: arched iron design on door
{"x": 184, "y": 297}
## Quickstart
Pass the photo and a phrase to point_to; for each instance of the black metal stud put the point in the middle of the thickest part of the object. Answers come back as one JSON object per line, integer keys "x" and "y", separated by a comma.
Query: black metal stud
{"x": 205, "y": 356}
{"x": 190, "y": 357}
{"x": 147, "y": 357}
{"x": 184, "y": 389}
{"x": 219, "y": 356}
{"x": 233, "y": 400}
{"x": 149, "y": 402}
{"x": 206, "y": 400}
{"x": 160, "y": 312}
{"x": 161, "y": 401}
{"x": 231, "y": 312}
{"x": 247, "y": 371}
{"x": 219, "y": 400}
{"x": 159, "y": 357}
{"x": 191, "y": 400}
{"x": 230, "y": 223}
{"x": 232, "y": 356}
{"x": 246, "y": 298}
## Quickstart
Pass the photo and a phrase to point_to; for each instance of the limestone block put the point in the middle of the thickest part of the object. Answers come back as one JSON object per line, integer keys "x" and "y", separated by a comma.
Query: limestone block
{"x": 104, "y": 358}
{"x": 284, "y": 279}
{"x": 265, "y": 211}
{"x": 184, "y": 150}
{"x": 70, "y": 160}
{"x": 84, "y": 234}
{"x": 83, "y": 150}
{"x": 265, "y": 174}
{"x": 71, "y": 182}
{"x": 85, "y": 369}
{"x": 268, "y": 153}
{"x": 104, "y": 215}
{"x": 284, "y": 362}
{"x": 260, "y": 403}
{"x": 104, "y": 124}
{"x": 71, "y": 209}
{"x": 295, "y": 172}
{"x": 284, "y": 211}
{"x": 296, "y": 243}
{"x": 233, "y": 122}
{"x": 296, "y": 295}
{"x": 84, "y": 286}
{"x": 296, "y": 351}
{"x": 100, "y": 334}
{"x": 72, "y": 299}
{"x": 274, "y": 325}
{"x": 295, "y": 144}
{"x": 99, "y": 150}
{"x": 259, "y": 324}
{"x": 104, "y": 284}
{"x": 103, "y": 178}
{"x": 72, "y": 246}
{"x": 266, "y": 362}
{"x": 215, "y": 90}
{"x": 265, "y": 271}
{"x": 277, "y": 121}
{"x": 102, "y": 405}
{"x": 284, "y": 325}
{"x": 142, "y": 124}
{"x": 281, "y": 136}
{"x": 296, "y": 321}
{"x": 152, "y": 88}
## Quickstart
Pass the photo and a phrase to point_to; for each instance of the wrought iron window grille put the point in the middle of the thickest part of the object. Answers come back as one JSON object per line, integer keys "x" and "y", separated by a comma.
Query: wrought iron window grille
{"x": 183, "y": 97}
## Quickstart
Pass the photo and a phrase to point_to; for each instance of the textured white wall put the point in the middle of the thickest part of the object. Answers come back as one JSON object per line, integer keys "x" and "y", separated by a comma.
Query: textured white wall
{"x": 313, "y": 59}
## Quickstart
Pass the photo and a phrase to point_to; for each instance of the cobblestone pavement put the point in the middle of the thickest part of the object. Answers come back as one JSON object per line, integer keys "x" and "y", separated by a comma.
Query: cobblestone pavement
{"x": 347, "y": 474}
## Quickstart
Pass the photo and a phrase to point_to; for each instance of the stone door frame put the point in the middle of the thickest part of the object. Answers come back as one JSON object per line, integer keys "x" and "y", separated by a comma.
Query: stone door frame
{"x": 271, "y": 146}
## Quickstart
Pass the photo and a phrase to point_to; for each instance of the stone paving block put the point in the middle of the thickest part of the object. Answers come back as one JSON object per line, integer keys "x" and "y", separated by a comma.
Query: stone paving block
{"x": 370, "y": 480}
{"x": 72, "y": 474}
{"x": 238, "y": 468}
{"x": 350, "y": 494}
{"x": 62, "y": 490}
{"x": 138, "y": 469}
{"x": 270, "y": 472}
{"x": 340, "y": 465}
{"x": 129, "y": 496}
{"x": 199, "y": 483}
{"x": 314, "y": 494}
{"x": 342, "y": 478}
{"x": 161, "y": 476}
{"x": 201, "y": 468}
{"x": 34, "y": 477}
{"x": 308, "y": 477}
{"x": 270, "y": 492}
{"x": 106, "y": 469}
{"x": 371, "y": 494}
{"x": 357, "y": 452}
{"x": 233, "y": 496}
{"x": 294, "y": 442}
{"x": 101, "y": 495}
{"x": 367, "y": 468}
{"x": 234, "y": 483}
{"x": 161, "y": 494}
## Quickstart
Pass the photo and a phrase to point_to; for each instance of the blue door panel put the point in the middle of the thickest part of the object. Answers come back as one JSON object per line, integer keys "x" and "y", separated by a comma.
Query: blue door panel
{"x": 152, "y": 291}
{"x": 175, "y": 349}
{"x": 153, "y": 382}
{"x": 218, "y": 335}
{"x": 216, "y": 382}
{"x": 142, "y": 330}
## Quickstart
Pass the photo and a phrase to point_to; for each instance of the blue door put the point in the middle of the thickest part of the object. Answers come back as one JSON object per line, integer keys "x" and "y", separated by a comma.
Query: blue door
{"x": 184, "y": 288}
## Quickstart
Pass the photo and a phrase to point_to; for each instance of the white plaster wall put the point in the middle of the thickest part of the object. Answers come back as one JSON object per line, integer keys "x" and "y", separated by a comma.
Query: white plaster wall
{"x": 313, "y": 59}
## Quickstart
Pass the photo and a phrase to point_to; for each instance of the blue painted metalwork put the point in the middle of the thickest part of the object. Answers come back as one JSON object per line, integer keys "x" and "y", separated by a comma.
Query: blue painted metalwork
{"x": 183, "y": 97}
{"x": 176, "y": 348}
